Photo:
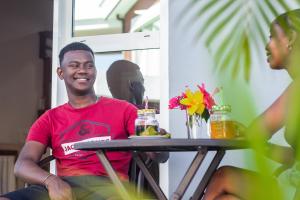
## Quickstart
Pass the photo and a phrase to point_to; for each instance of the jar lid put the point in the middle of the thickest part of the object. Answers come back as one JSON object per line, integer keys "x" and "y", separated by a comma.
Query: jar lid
{"x": 226, "y": 108}
{"x": 146, "y": 111}
{"x": 152, "y": 111}
{"x": 140, "y": 112}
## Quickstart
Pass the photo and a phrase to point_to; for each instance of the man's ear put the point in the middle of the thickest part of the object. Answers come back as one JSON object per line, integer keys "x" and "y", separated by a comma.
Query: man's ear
{"x": 59, "y": 73}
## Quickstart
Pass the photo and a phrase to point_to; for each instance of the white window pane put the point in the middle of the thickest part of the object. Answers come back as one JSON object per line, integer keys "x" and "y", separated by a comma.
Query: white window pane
{"x": 101, "y": 17}
{"x": 147, "y": 60}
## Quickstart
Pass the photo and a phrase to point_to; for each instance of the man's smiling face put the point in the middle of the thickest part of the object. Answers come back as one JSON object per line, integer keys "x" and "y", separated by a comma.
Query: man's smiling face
{"x": 78, "y": 71}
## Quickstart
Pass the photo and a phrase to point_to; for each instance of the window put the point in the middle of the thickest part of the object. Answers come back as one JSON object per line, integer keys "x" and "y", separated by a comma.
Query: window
{"x": 101, "y": 17}
{"x": 147, "y": 60}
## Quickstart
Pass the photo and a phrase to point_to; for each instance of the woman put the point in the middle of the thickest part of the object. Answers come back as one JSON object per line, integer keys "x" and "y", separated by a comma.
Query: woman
{"x": 235, "y": 183}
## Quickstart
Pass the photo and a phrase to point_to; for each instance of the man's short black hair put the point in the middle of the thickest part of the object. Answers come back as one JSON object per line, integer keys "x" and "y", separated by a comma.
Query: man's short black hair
{"x": 73, "y": 47}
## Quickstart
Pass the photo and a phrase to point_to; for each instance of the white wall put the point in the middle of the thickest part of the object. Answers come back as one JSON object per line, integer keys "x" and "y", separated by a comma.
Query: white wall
{"x": 20, "y": 66}
{"x": 189, "y": 63}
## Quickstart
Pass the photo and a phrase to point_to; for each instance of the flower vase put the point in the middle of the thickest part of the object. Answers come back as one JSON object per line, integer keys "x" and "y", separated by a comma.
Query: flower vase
{"x": 196, "y": 127}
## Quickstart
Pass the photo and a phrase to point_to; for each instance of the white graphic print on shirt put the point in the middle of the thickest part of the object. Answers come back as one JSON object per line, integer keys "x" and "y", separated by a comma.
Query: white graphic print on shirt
{"x": 69, "y": 147}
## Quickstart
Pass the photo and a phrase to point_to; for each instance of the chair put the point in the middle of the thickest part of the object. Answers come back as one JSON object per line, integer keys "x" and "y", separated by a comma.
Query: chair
{"x": 138, "y": 178}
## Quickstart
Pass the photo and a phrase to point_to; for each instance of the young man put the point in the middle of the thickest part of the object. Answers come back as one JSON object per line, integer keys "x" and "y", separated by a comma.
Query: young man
{"x": 84, "y": 117}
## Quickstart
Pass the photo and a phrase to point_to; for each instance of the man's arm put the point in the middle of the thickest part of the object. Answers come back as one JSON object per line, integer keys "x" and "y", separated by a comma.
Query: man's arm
{"x": 26, "y": 166}
{"x": 27, "y": 169}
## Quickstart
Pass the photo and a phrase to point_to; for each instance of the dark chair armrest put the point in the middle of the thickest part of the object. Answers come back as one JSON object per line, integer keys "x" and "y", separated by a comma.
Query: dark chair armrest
{"x": 42, "y": 163}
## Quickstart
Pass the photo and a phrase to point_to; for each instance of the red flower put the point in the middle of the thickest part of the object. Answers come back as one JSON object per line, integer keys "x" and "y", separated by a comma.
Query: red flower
{"x": 173, "y": 103}
{"x": 208, "y": 100}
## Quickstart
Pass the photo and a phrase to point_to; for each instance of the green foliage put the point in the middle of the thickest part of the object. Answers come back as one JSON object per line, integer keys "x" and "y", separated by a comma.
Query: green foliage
{"x": 205, "y": 115}
{"x": 231, "y": 28}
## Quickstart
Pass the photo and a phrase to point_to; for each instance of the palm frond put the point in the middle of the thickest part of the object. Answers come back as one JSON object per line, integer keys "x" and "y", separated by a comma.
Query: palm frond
{"x": 230, "y": 57}
{"x": 206, "y": 8}
{"x": 218, "y": 29}
{"x": 283, "y": 4}
{"x": 247, "y": 50}
{"x": 214, "y": 17}
{"x": 269, "y": 6}
{"x": 262, "y": 13}
{"x": 237, "y": 62}
{"x": 183, "y": 12}
{"x": 247, "y": 22}
{"x": 226, "y": 51}
{"x": 258, "y": 36}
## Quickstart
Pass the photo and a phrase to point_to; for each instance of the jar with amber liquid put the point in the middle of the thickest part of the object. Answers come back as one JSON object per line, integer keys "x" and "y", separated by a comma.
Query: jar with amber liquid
{"x": 221, "y": 123}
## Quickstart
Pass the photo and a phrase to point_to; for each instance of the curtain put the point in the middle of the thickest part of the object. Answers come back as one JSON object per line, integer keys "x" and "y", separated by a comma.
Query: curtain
{"x": 7, "y": 178}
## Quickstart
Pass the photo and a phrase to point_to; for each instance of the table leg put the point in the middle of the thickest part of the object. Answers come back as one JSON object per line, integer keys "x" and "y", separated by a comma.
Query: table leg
{"x": 156, "y": 189}
{"x": 189, "y": 175}
{"x": 206, "y": 177}
{"x": 113, "y": 176}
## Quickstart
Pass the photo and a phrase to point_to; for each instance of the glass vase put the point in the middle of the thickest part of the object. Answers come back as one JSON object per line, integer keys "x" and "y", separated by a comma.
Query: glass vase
{"x": 196, "y": 127}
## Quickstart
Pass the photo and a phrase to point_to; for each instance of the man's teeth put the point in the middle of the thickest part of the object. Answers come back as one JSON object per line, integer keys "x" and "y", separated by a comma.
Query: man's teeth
{"x": 82, "y": 79}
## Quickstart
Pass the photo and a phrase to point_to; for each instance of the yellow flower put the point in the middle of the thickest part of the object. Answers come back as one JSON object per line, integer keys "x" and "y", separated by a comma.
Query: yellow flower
{"x": 194, "y": 102}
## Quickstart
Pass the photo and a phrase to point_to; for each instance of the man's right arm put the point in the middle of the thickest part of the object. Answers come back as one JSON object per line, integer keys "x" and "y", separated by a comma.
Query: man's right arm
{"x": 26, "y": 166}
{"x": 27, "y": 169}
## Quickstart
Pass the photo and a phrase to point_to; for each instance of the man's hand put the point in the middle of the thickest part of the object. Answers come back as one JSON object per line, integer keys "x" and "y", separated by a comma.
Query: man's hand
{"x": 58, "y": 189}
{"x": 159, "y": 157}
{"x": 164, "y": 132}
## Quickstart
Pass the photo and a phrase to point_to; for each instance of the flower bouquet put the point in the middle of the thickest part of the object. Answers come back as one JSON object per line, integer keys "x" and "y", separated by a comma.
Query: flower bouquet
{"x": 197, "y": 105}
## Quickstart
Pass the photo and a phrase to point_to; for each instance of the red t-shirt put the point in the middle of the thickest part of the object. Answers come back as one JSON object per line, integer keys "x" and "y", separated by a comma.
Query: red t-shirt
{"x": 61, "y": 127}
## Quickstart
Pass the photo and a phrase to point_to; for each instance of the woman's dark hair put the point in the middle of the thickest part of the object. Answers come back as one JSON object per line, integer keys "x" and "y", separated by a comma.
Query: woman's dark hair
{"x": 289, "y": 21}
{"x": 73, "y": 47}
